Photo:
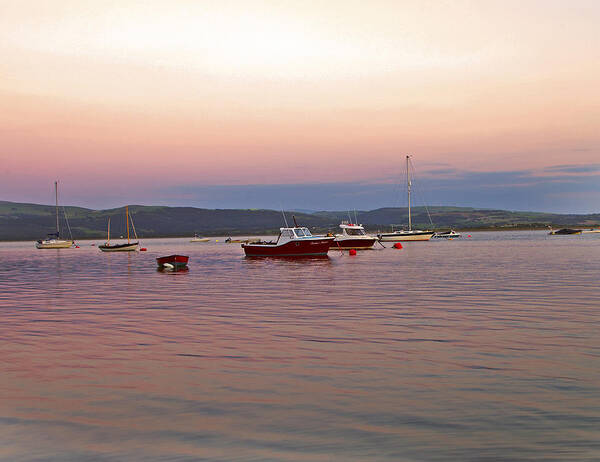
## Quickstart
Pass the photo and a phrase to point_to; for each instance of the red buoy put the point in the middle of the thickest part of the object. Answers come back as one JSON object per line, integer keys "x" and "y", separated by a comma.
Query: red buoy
{"x": 352, "y": 252}
{"x": 76, "y": 246}
{"x": 397, "y": 245}
{"x": 143, "y": 249}
{"x": 469, "y": 235}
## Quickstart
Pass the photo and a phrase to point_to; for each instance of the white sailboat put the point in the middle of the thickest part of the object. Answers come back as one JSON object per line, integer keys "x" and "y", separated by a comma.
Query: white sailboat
{"x": 124, "y": 247}
{"x": 410, "y": 234}
{"x": 53, "y": 240}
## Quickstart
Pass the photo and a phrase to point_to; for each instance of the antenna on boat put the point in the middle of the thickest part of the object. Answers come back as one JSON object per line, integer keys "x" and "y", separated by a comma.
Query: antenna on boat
{"x": 284, "y": 218}
{"x": 295, "y": 223}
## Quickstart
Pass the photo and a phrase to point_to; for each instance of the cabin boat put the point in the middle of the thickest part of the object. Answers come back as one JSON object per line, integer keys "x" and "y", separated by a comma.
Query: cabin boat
{"x": 291, "y": 242}
{"x": 53, "y": 240}
{"x": 173, "y": 262}
{"x": 353, "y": 236}
{"x": 447, "y": 234}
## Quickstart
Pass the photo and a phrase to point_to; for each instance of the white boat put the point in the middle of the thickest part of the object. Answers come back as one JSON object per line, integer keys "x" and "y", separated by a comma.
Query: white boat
{"x": 123, "y": 247}
{"x": 353, "y": 236}
{"x": 53, "y": 240}
{"x": 410, "y": 234}
{"x": 196, "y": 238}
{"x": 446, "y": 234}
{"x": 593, "y": 230}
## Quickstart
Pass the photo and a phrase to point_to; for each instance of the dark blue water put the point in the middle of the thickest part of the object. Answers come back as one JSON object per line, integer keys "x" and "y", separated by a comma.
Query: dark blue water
{"x": 479, "y": 349}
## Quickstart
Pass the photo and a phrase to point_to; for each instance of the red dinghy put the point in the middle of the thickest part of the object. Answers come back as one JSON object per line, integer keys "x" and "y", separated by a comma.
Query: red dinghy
{"x": 173, "y": 262}
{"x": 292, "y": 242}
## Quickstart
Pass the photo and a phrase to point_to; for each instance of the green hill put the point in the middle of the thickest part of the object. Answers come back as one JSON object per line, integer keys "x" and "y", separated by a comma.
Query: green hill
{"x": 30, "y": 221}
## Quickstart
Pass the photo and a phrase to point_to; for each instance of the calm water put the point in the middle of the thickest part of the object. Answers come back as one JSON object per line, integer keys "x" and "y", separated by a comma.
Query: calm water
{"x": 480, "y": 349}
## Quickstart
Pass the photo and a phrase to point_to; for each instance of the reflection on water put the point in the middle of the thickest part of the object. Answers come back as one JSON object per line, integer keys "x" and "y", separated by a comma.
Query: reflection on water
{"x": 474, "y": 349}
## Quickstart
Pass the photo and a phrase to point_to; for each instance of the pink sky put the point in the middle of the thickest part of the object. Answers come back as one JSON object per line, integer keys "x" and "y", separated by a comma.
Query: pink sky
{"x": 131, "y": 94}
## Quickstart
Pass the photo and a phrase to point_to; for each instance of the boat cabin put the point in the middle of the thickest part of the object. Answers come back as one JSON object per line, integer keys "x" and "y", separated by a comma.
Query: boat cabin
{"x": 289, "y": 234}
{"x": 350, "y": 229}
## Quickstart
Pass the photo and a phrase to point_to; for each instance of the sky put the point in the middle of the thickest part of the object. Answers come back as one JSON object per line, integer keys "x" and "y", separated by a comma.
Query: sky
{"x": 301, "y": 104}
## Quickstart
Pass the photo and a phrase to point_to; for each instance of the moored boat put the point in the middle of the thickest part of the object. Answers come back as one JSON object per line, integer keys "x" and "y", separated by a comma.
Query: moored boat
{"x": 564, "y": 231}
{"x": 196, "y": 238}
{"x": 447, "y": 234}
{"x": 123, "y": 247}
{"x": 409, "y": 234}
{"x": 53, "y": 240}
{"x": 291, "y": 242}
{"x": 173, "y": 262}
{"x": 592, "y": 230}
{"x": 353, "y": 236}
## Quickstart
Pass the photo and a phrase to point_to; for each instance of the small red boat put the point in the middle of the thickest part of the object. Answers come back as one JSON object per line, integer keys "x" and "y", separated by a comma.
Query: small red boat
{"x": 353, "y": 237}
{"x": 292, "y": 242}
{"x": 173, "y": 262}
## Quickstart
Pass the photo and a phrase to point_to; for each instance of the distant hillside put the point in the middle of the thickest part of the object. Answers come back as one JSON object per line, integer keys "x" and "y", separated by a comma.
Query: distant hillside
{"x": 30, "y": 221}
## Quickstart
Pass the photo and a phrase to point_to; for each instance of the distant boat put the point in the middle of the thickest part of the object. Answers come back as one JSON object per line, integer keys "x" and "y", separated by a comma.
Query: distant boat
{"x": 592, "y": 230}
{"x": 229, "y": 240}
{"x": 410, "y": 234}
{"x": 124, "y": 247}
{"x": 353, "y": 237}
{"x": 53, "y": 240}
{"x": 564, "y": 231}
{"x": 173, "y": 262}
{"x": 197, "y": 238}
{"x": 446, "y": 234}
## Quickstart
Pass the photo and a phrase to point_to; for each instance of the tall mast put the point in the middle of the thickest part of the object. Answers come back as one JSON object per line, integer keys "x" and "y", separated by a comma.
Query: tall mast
{"x": 108, "y": 232}
{"x": 127, "y": 218}
{"x": 408, "y": 189}
{"x": 56, "y": 195}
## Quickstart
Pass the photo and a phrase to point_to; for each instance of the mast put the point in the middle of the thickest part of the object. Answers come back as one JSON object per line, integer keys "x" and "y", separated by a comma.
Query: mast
{"x": 56, "y": 195}
{"x": 408, "y": 189}
{"x": 127, "y": 219}
{"x": 108, "y": 232}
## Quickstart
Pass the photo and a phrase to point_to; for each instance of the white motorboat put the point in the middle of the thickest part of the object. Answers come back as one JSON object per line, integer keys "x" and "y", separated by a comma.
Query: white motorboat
{"x": 353, "y": 236}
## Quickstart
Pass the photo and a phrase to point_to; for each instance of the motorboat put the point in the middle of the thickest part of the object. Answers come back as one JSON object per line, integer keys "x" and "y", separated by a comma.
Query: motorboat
{"x": 196, "y": 238}
{"x": 446, "y": 234}
{"x": 353, "y": 236}
{"x": 173, "y": 262}
{"x": 123, "y": 247}
{"x": 291, "y": 242}
{"x": 592, "y": 230}
{"x": 53, "y": 240}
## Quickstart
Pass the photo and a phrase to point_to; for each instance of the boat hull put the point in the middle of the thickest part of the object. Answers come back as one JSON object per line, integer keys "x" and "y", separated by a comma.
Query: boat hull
{"x": 448, "y": 235}
{"x": 173, "y": 262}
{"x": 565, "y": 232}
{"x": 294, "y": 248}
{"x": 58, "y": 244}
{"x": 406, "y": 236}
{"x": 130, "y": 247}
{"x": 353, "y": 243}
{"x": 200, "y": 239}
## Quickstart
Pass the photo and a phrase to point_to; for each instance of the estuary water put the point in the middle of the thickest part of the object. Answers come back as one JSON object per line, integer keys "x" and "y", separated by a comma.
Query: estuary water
{"x": 477, "y": 349}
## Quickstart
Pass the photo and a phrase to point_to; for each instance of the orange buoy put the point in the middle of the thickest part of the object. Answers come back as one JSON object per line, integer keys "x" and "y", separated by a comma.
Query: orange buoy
{"x": 143, "y": 249}
{"x": 397, "y": 245}
{"x": 352, "y": 252}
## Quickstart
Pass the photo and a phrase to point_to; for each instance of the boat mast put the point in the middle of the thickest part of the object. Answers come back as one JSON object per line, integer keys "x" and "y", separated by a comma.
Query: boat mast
{"x": 127, "y": 219}
{"x": 408, "y": 189}
{"x": 108, "y": 232}
{"x": 56, "y": 195}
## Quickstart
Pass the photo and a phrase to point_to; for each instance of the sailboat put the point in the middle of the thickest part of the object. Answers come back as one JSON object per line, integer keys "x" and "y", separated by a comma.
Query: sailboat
{"x": 124, "y": 247}
{"x": 410, "y": 234}
{"x": 53, "y": 240}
